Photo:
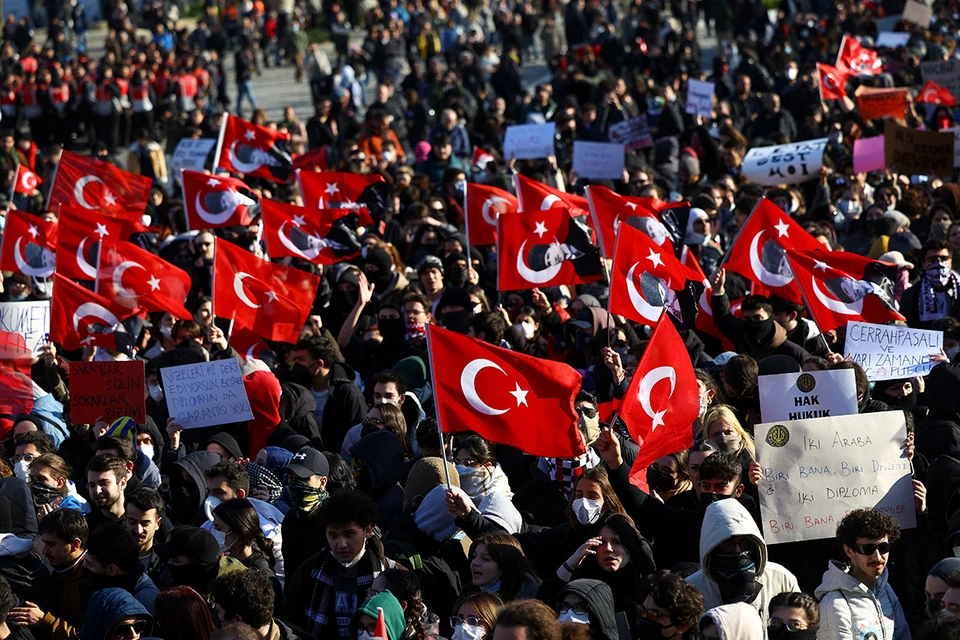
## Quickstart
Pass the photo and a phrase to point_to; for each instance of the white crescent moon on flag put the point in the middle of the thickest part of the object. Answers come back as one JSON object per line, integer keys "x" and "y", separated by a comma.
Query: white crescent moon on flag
{"x": 26, "y": 269}
{"x": 549, "y": 201}
{"x": 853, "y": 309}
{"x": 214, "y": 218}
{"x": 643, "y": 307}
{"x": 78, "y": 190}
{"x": 286, "y": 242}
{"x": 491, "y": 204}
{"x": 88, "y": 269}
{"x": 468, "y": 384}
{"x": 238, "y": 289}
{"x": 646, "y": 386}
{"x": 240, "y": 165}
{"x": 98, "y": 311}
{"x": 118, "y": 278}
{"x": 765, "y": 276}
{"x": 532, "y": 276}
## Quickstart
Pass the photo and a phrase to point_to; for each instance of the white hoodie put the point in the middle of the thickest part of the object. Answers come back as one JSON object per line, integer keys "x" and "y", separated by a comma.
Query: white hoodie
{"x": 848, "y": 609}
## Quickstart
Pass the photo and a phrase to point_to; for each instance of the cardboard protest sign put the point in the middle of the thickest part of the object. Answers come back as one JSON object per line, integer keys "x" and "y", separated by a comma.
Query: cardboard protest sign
{"x": 634, "y": 133}
{"x": 888, "y": 352}
{"x": 915, "y": 152}
{"x": 814, "y": 394}
{"x": 700, "y": 98}
{"x": 29, "y": 319}
{"x": 107, "y": 390}
{"x": 919, "y": 13}
{"x": 529, "y": 141}
{"x": 945, "y": 73}
{"x": 206, "y": 394}
{"x": 785, "y": 163}
{"x": 816, "y": 471}
{"x": 892, "y": 39}
{"x": 877, "y": 103}
{"x": 598, "y": 160}
{"x": 868, "y": 154}
{"x": 191, "y": 154}
{"x": 956, "y": 144}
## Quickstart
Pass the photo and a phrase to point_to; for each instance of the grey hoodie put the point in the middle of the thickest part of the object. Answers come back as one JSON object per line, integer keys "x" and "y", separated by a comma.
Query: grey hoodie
{"x": 738, "y": 621}
{"x": 848, "y": 609}
{"x": 599, "y": 598}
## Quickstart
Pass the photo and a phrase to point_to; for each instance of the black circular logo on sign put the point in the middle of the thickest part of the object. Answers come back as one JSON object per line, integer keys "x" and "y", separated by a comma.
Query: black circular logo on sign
{"x": 778, "y": 436}
{"x": 806, "y": 383}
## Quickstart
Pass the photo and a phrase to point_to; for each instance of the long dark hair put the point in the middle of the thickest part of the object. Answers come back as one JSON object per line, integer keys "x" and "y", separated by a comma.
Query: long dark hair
{"x": 405, "y": 587}
{"x": 506, "y": 552}
{"x": 183, "y": 614}
{"x": 242, "y": 518}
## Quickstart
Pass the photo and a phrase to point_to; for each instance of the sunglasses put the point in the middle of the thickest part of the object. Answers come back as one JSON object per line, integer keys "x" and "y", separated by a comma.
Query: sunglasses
{"x": 792, "y": 625}
{"x": 581, "y": 608}
{"x": 130, "y": 629}
{"x": 456, "y": 621}
{"x": 937, "y": 258}
{"x": 649, "y": 614}
{"x": 870, "y": 549}
{"x": 589, "y": 412}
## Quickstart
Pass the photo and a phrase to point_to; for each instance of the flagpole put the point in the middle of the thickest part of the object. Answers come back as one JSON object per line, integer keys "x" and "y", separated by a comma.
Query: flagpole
{"x": 443, "y": 448}
{"x": 807, "y": 303}
{"x": 606, "y": 272}
{"x": 223, "y": 130}
{"x": 726, "y": 255}
{"x": 16, "y": 181}
{"x": 466, "y": 228}
{"x": 53, "y": 181}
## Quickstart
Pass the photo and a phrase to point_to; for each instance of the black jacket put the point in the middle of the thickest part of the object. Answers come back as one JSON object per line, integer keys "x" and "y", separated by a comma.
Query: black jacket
{"x": 345, "y": 407}
{"x": 301, "y": 532}
{"x": 939, "y": 433}
{"x": 379, "y": 456}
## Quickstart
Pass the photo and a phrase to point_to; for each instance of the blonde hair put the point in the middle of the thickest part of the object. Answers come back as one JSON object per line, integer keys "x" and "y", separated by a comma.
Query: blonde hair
{"x": 726, "y": 414}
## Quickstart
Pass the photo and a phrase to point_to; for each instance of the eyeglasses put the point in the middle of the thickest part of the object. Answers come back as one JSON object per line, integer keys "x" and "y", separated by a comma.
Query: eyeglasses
{"x": 130, "y": 628}
{"x": 469, "y": 462}
{"x": 26, "y": 457}
{"x": 373, "y": 421}
{"x": 456, "y": 621}
{"x": 370, "y": 628}
{"x": 581, "y": 608}
{"x": 792, "y": 625}
{"x": 870, "y": 549}
{"x": 650, "y": 614}
{"x": 589, "y": 412}
{"x": 937, "y": 258}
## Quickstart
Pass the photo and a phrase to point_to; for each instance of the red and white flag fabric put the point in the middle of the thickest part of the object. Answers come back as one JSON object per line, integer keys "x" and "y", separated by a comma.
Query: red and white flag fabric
{"x": 28, "y": 245}
{"x": 480, "y": 159}
{"x": 854, "y": 58}
{"x": 79, "y": 317}
{"x": 759, "y": 252}
{"x": 704, "y": 321}
{"x": 79, "y": 233}
{"x": 313, "y": 159}
{"x": 661, "y": 401}
{"x": 270, "y": 299}
{"x": 249, "y": 345}
{"x": 99, "y": 186}
{"x": 647, "y": 280}
{"x": 26, "y": 181}
{"x": 840, "y": 286}
{"x": 664, "y": 222}
{"x": 536, "y": 196}
{"x": 133, "y": 277}
{"x": 317, "y": 236}
{"x": 545, "y": 249}
{"x": 253, "y": 150}
{"x": 506, "y": 397}
{"x": 482, "y": 206}
{"x": 833, "y": 82}
{"x": 932, "y": 93}
{"x": 334, "y": 190}
{"x": 210, "y": 202}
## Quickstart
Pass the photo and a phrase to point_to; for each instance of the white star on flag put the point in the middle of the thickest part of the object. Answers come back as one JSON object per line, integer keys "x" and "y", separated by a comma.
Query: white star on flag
{"x": 820, "y": 265}
{"x": 250, "y": 135}
{"x": 657, "y": 420}
{"x": 655, "y": 258}
{"x": 298, "y": 220}
{"x": 154, "y": 282}
{"x": 213, "y": 182}
{"x": 271, "y": 296}
{"x": 110, "y": 198}
{"x": 332, "y": 188}
{"x": 541, "y": 229}
{"x": 782, "y": 229}
{"x": 34, "y": 231}
{"x": 520, "y": 395}
{"x": 101, "y": 230}
{"x": 632, "y": 205}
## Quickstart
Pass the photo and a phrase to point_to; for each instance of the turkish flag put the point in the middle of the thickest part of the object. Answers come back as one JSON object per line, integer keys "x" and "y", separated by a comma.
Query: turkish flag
{"x": 506, "y": 397}
{"x": 661, "y": 401}
{"x": 271, "y": 300}
{"x": 665, "y": 222}
{"x": 645, "y": 280}
{"x": 16, "y": 386}
{"x": 26, "y": 181}
{"x": 28, "y": 245}
{"x": 210, "y": 202}
{"x": 334, "y": 190}
{"x": 877, "y": 103}
{"x": 932, "y": 93}
{"x": 96, "y": 185}
{"x": 704, "y": 321}
{"x": 79, "y": 233}
{"x": 854, "y": 58}
{"x": 482, "y": 205}
{"x": 249, "y": 345}
{"x": 317, "y": 236}
{"x": 833, "y": 82}
{"x": 313, "y": 159}
{"x": 480, "y": 159}
{"x": 840, "y": 286}
{"x": 132, "y": 277}
{"x": 536, "y": 196}
{"x": 253, "y": 150}
{"x": 545, "y": 249}
{"x": 758, "y": 253}
{"x": 79, "y": 317}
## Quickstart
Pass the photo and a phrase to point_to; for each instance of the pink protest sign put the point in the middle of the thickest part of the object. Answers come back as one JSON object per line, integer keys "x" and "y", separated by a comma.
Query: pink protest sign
{"x": 868, "y": 154}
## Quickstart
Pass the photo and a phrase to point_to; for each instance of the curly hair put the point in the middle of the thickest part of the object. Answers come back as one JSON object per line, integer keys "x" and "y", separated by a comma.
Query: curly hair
{"x": 866, "y": 523}
{"x": 247, "y": 594}
{"x": 348, "y": 507}
{"x": 405, "y": 587}
{"x": 539, "y": 620}
{"x": 675, "y": 595}
{"x": 798, "y": 600}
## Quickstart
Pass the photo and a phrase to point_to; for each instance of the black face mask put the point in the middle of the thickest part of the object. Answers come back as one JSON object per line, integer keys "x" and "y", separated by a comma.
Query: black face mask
{"x": 933, "y": 607}
{"x": 648, "y": 630}
{"x": 344, "y": 301}
{"x": 44, "y": 494}
{"x": 381, "y": 280}
{"x": 393, "y": 329}
{"x": 456, "y": 276}
{"x": 735, "y": 574}
{"x": 193, "y": 575}
{"x": 710, "y": 498}
{"x": 659, "y": 481}
{"x": 785, "y": 634}
{"x": 907, "y": 403}
{"x": 458, "y": 321}
{"x": 758, "y": 332}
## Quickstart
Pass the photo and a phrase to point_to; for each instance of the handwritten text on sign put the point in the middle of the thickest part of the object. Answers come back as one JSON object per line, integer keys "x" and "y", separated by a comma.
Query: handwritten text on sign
{"x": 29, "y": 319}
{"x": 206, "y": 394}
{"x": 529, "y": 141}
{"x": 888, "y": 352}
{"x": 633, "y": 133}
{"x": 107, "y": 390}
{"x": 784, "y": 163}
{"x": 598, "y": 160}
{"x": 700, "y": 98}
{"x": 816, "y": 471}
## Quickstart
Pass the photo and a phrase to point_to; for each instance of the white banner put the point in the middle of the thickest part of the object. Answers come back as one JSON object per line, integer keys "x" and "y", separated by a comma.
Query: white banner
{"x": 892, "y": 39}
{"x": 206, "y": 394}
{"x": 529, "y": 141}
{"x": 191, "y": 154}
{"x": 29, "y": 319}
{"x": 598, "y": 160}
{"x": 700, "y": 98}
{"x": 816, "y": 471}
{"x": 785, "y": 163}
{"x": 633, "y": 133}
{"x": 889, "y": 352}
{"x": 801, "y": 396}
{"x": 918, "y": 13}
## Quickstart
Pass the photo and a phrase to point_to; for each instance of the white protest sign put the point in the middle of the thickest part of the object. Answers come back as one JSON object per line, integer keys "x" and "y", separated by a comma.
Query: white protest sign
{"x": 888, "y": 352}
{"x": 918, "y": 13}
{"x": 945, "y": 73}
{"x": 598, "y": 160}
{"x": 529, "y": 141}
{"x": 29, "y": 319}
{"x": 801, "y": 396}
{"x": 785, "y": 163}
{"x": 816, "y": 471}
{"x": 634, "y": 133}
{"x": 206, "y": 394}
{"x": 191, "y": 154}
{"x": 892, "y": 39}
{"x": 700, "y": 98}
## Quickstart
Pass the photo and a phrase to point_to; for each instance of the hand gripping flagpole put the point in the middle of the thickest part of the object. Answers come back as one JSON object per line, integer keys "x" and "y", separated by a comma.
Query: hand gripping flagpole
{"x": 807, "y": 303}
{"x": 443, "y": 448}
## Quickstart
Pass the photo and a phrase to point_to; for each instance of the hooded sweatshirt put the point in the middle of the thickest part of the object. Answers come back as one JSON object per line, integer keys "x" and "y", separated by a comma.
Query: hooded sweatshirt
{"x": 724, "y": 520}
{"x": 187, "y": 496}
{"x": 263, "y": 392}
{"x": 848, "y": 609}
{"x": 392, "y": 613}
{"x": 106, "y": 608}
{"x": 599, "y": 598}
{"x": 738, "y": 621}
{"x": 380, "y": 459}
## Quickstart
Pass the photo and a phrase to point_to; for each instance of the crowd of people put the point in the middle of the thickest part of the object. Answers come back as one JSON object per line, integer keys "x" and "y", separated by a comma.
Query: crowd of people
{"x": 340, "y": 510}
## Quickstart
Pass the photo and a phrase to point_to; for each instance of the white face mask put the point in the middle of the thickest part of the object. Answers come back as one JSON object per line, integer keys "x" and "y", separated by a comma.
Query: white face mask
{"x": 956, "y": 552}
{"x": 21, "y": 470}
{"x": 347, "y": 565}
{"x": 155, "y": 392}
{"x": 364, "y": 635}
{"x": 573, "y": 616}
{"x": 466, "y": 631}
{"x": 209, "y": 505}
{"x": 528, "y": 330}
{"x": 792, "y": 73}
{"x": 587, "y": 510}
{"x": 221, "y": 539}
{"x": 478, "y": 308}
{"x": 166, "y": 331}
{"x": 147, "y": 450}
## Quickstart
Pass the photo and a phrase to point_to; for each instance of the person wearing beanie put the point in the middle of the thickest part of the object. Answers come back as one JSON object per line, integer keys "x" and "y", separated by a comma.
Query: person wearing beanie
{"x": 688, "y": 172}
{"x": 430, "y": 274}
{"x": 193, "y": 559}
{"x": 224, "y": 445}
{"x": 388, "y": 283}
{"x": 455, "y": 309}
{"x": 367, "y": 616}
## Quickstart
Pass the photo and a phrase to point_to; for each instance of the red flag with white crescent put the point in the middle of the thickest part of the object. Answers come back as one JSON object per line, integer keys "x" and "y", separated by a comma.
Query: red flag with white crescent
{"x": 932, "y": 93}
{"x": 133, "y": 277}
{"x": 210, "y": 202}
{"x": 833, "y": 82}
{"x": 536, "y": 196}
{"x": 317, "y": 236}
{"x": 254, "y": 150}
{"x": 99, "y": 186}
{"x": 483, "y": 205}
{"x": 28, "y": 245}
{"x": 79, "y": 317}
{"x": 27, "y": 181}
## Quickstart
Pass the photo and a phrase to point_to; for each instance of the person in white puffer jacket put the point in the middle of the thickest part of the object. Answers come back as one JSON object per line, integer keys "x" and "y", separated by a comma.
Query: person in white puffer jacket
{"x": 856, "y": 600}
